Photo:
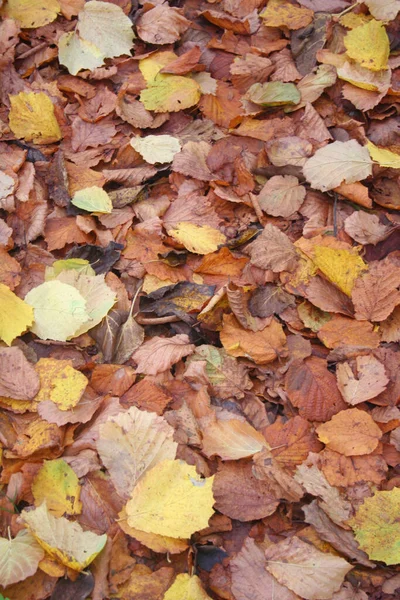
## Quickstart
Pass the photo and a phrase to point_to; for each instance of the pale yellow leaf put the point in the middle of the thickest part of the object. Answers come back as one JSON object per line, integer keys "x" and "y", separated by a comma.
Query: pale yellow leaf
{"x": 156, "y": 148}
{"x": 19, "y": 558}
{"x": 15, "y": 315}
{"x": 199, "y": 239}
{"x": 30, "y": 14}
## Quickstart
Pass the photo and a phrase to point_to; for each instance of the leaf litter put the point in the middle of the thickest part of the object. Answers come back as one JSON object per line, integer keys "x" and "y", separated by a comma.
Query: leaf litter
{"x": 199, "y": 299}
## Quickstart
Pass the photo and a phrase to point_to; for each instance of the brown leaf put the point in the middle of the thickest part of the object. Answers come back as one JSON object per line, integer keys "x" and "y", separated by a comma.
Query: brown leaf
{"x": 147, "y": 395}
{"x": 282, "y": 196}
{"x": 239, "y": 495}
{"x": 112, "y": 379}
{"x": 291, "y": 441}
{"x": 365, "y": 228}
{"x": 344, "y": 471}
{"x": 191, "y": 161}
{"x": 159, "y": 354}
{"x": 161, "y": 25}
{"x": 351, "y": 432}
{"x": 326, "y": 296}
{"x": 375, "y": 294}
{"x": 281, "y": 482}
{"x": 370, "y": 380}
{"x": 313, "y": 390}
{"x": 18, "y": 378}
{"x": 340, "y": 332}
{"x": 273, "y": 250}
{"x": 268, "y": 300}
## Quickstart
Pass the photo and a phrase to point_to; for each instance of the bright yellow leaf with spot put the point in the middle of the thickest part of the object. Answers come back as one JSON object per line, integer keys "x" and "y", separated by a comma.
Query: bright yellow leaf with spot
{"x": 186, "y": 587}
{"x": 32, "y": 13}
{"x": 58, "y": 485}
{"x": 170, "y": 93}
{"x": 385, "y": 158}
{"x": 369, "y": 45}
{"x": 172, "y": 500}
{"x": 32, "y": 118}
{"x": 15, "y": 315}
{"x": 38, "y": 436}
{"x": 339, "y": 262}
{"x": 352, "y": 20}
{"x": 377, "y": 528}
{"x": 63, "y": 539}
{"x": 200, "y": 239}
{"x": 76, "y": 53}
{"x": 60, "y": 383}
{"x": 59, "y": 310}
{"x": 281, "y": 13}
{"x": 152, "y": 65}
{"x": 93, "y": 199}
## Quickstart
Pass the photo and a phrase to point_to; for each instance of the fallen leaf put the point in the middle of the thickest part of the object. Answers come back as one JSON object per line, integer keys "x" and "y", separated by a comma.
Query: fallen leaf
{"x": 93, "y": 199}
{"x": 365, "y": 228}
{"x": 368, "y": 45}
{"x": 31, "y": 13}
{"x": 159, "y": 354}
{"x": 186, "y": 586}
{"x": 370, "y": 380}
{"x": 32, "y": 118}
{"x": 170, "y": 93}
{"x": 161, "y": 25}
{"x": 50, "y": 301}
{"x": 15, "y": 315}
{"x": 375, "y": 293}
{"x": 282, "y": 196}
{"x": 340, "y": 332}
{"x": 171, "y": 499}
{"x": 58, "y": 486}
{"x": 351, "y": 432}
{"x": 376, "y": 527}
{"x": 386, "y": 10}
{"x": 344, "y": 471}
{"x": 230, "y": 439}
{"x": 273, "y": 250}
{"x": 156, "y": 148}
{"x": 385, "y": 158}
{"x": 131, "y": 443}
{"x": 273, "y": 93}
{"x": 280, "y": 13}
{"x": 268, "y": 300}
{"x": 337, "y": 163}
{"x": 20, "y": 558}
{"x": 198, "y": 239}
{"x": 62, "y": 539}
{"x": 18, "y": 378}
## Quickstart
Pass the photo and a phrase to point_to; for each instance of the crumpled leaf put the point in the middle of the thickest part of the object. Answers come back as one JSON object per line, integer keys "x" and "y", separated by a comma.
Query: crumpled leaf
{"x": 186, "y": 587}
{"x": 118, "y": 336}
{"x": 351, "y": 432}
{"x": 159, "y": 354}
{"x": 93, "y": 199}
{"x": 171, "y": 499}
{"x": 32, "y": 118}
{"x": 103, "y": 31}
{"x": 369, "y": 382}
{"x": 15, "y": 315}
{"x": 57, "y": 485}
{"x": 18, "y": 378}
{"x": 377, "y": 528}
{"x": 62, "y": 539}
{"x": 337, "y": 163}
{"x": 200, "y": 239}
{"x": 131, "y": 443}
{"x": 312, "y": 574}
{"x": 156, "y": 148}
{"x": 368, "y": 45}
{"x": 59, "y": 310}
{"x": 19, "y": 558}
{"x": 30, "y": 14}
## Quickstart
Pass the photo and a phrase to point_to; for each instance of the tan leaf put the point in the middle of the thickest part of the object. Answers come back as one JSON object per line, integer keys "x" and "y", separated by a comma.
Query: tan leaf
{"x": 159, "y": 354}
{"x": 344, "y": 471}
{"x": 191, "y": 161}
{"x": 131, "y": 443}
{"x": 328, "y": 297}
{"x": 251, "y": 580}
{"x": 281, "y": 482}
{"x": 375, "y": 294}
{"x": 356, "y": 192}
{"x": 342, "y": 331}
{"x": 390, "y": 328}
{"x": 273, "y": 250}
{"x": 369, "y": 382}
{"x": 291, "y": 441}
{"x": 282, "y": 196}
{"x": 229, "y": 438}
{"x": 161, "y": 25}
{"x": 291, "y": 150}
{"x": 18, "y": 378}
{"x": 365, "y": 228}
{"x": 312, "y": 574}
{"x": 351, "y": 432}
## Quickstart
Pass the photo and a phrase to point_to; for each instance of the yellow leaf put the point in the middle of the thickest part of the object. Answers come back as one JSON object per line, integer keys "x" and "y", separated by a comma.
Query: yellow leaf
{"x": 156, "y": 148}
{"x": 32, "y": 118}
{"x": 385, "y": 158}
{"x": 15, "y": 315}
{"x": 76, "y": 53}
{"x": 68, "y": 388}
{"x": 186, "y": 587}
{"x": 93, "y": 199}
{"x": 338, "y": 261}
{"x": 377, "y": 528}
{"x": 131, "y": 443}
{"x": 281, "y": 13}
{"x": 50, "y": 370}
{"x": 57, "y": 484}
{"x": 152, "y": 65}
{"x": 74, "y": 264}
{"x": 19, "y": 558}
{"x": 368, "y": 45}
{"x": 170, "y": 93}
{"x": 172, "y": 500}
{"x": 352, "y": 20}
{"x": 59, "y": 310}
{"x": 32, "y": 13}
{"x": 63, "y": 539}
{"x": 157, "y": 543}
{"x": 200, "y": 239}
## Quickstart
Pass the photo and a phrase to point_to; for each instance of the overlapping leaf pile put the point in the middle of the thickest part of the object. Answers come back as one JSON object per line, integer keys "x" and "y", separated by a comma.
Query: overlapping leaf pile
{"x": 199, "y": 299}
